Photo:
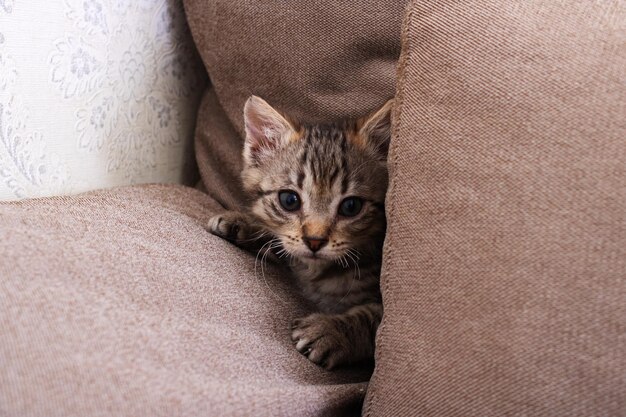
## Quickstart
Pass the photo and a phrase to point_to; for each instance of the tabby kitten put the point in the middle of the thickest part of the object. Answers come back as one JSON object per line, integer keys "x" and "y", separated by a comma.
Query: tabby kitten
{"x": 318, "y": 195}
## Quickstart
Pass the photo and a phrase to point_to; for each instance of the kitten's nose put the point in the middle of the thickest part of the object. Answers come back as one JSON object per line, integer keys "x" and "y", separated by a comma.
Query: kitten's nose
{"x": 315, "y": 243}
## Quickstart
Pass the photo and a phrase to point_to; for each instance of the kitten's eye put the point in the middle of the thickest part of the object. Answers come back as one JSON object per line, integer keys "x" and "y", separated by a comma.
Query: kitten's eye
{"x": 350, "y": 206}
{"x": 290, "y": 200}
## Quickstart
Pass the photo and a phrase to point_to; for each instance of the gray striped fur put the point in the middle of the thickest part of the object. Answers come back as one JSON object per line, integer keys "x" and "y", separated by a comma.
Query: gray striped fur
{"x": 323, "y": 164}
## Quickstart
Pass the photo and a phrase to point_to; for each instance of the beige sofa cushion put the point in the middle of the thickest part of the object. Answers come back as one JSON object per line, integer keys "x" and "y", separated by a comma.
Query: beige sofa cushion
{"x": 504, "y": 279}
{"x": 316, "y": 60}
{"x": 118, "y": 303}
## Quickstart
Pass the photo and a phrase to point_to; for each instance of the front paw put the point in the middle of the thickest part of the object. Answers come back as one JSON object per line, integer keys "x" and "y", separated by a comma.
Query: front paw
{"x": 231, "y": 226}
{"x": 319, "y": 338}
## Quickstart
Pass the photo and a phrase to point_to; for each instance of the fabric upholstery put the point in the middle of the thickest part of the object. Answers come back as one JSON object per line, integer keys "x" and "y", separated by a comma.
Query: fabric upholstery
{"x": 95, "y": 94}
{"x": 119, "y": 303}
{"x": 505, "y": 262}
{"x": 316, "y": 60}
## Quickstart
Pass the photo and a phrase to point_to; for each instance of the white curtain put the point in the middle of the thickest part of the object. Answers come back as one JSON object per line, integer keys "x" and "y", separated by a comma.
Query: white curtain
{"x": 93, "y": 94}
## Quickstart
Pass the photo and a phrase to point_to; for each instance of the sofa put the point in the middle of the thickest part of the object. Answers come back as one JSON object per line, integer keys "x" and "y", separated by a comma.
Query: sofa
{"x": 504, "y": 266}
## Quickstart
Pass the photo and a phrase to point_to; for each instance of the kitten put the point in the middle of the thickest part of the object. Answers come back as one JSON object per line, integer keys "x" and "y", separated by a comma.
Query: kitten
{"x": 318, "y": 192}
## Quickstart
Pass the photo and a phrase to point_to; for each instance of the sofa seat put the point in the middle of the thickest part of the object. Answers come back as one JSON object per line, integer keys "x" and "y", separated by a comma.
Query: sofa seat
{"x": 118, "y": 302}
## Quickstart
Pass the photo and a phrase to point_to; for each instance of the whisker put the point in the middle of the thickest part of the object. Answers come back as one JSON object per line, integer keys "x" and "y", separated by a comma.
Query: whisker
{"x": 274, "y": 243}
{"x": 269, "y": 245}
{"x": 355, "y": 258}
{"x": 347, "y": 293}
{"x": 252, "y": 239}
{"x": 352, "y": 279}
{"x": 355, "y": 253}
{"x": 343, "y": 261}
{"x": 256, "y": 259}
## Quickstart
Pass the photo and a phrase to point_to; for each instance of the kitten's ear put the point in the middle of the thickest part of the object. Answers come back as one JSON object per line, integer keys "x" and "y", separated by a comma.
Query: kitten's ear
{"x": 266, "y": 130}
{"x": 375, "y": 129}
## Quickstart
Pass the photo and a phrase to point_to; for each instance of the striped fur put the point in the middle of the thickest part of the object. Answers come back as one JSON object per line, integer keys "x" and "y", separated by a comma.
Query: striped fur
{"x": 324, "y": 164}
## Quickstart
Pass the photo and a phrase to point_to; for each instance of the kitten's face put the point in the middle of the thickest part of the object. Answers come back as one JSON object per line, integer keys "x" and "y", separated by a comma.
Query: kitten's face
{"x": 318, "y": 189}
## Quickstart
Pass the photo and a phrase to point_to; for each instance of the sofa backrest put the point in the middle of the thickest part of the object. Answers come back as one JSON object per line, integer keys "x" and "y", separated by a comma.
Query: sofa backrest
{"x": 316, "y": 61}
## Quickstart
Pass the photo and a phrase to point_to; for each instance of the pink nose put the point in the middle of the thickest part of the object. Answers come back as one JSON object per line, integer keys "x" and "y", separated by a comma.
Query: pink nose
{"x": 315, "y": 243}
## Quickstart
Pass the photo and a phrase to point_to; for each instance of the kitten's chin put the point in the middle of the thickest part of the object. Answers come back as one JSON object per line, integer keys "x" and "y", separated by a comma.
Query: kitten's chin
{"x": 314, "y": 258}
{"x": 316, "y": 262}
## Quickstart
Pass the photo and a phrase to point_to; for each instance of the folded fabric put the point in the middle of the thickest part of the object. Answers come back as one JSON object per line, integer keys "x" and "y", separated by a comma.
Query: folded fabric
{"x": 120, "y": 303}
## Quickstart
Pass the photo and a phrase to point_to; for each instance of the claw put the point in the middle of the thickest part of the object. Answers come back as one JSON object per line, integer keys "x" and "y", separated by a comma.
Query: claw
{"x": 302, "y": 343}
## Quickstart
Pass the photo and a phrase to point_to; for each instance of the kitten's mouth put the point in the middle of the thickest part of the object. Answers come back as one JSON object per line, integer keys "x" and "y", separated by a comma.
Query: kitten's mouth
{"x": 310, "y": 256}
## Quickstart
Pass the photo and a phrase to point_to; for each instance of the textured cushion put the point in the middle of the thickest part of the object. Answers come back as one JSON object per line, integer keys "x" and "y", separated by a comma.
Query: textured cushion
{"x": 95, "y": 93}
{"x": 316, "y": 60}
{"x": 504, "y": 276}
{"x": 119, "y": 303}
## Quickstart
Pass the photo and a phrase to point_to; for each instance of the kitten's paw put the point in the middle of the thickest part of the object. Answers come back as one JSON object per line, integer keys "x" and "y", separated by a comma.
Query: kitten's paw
{"x": 318, "y": 338}
{"x": 231, "y": 225}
